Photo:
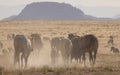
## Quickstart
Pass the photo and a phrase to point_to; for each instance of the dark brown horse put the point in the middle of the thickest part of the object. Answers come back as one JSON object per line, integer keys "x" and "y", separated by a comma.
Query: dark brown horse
{"x": 85, "y": 44}
{"x": 75, "y": 52}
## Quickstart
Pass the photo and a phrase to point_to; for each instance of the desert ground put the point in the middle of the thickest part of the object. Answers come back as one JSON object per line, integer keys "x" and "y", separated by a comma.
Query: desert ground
{"x": 39, "y": 63}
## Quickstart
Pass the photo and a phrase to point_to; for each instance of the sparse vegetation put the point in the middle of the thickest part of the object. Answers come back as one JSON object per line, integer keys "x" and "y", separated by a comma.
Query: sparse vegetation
{"x": 68, "y": 71}
{"x": 107, "y": 63}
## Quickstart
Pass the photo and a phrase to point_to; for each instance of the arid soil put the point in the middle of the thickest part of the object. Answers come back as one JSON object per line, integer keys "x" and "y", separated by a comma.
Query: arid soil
{"x": 39, "y": 63}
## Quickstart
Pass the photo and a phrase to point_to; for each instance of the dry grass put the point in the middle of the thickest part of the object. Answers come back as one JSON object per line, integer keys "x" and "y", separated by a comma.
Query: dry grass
{"x": 106, "y": 64}
{"x": 67, "y": 71}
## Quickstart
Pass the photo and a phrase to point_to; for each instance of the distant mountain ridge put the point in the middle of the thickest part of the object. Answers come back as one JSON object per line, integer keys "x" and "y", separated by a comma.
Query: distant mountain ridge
{"x": 10, "y": 18}
{"x": 117, "y": 17}
{"x": 52, "y": 11}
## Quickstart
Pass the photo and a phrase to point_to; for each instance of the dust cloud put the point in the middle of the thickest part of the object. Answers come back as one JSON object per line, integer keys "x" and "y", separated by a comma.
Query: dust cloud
{"x": 38, "y": 58}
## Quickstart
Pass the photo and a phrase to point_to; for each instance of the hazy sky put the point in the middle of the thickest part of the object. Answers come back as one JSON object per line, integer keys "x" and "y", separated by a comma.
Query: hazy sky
{"x": 74, "y": 2}
{"x": 98, "y": 8}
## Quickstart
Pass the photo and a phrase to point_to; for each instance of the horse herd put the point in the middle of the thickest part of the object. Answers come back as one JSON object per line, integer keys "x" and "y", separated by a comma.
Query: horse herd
{"x": 73, "y": 47}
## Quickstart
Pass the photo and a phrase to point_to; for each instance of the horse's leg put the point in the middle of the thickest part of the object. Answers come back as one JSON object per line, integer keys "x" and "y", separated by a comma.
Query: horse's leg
{"x": 71, "y": 58}
{"x": 77, "y": 60}
{"x": 19, "y": 62}
{"x": 57, "y": 56}
{"x": 26, "y": 60}
{"x": 25, "y": 63}
{"x": 80, "y": 58}
{"x": 17, "y": 59}
{"x": 90, "y": 58}
{"x": 84, "y": 59}
{"x": 64, "y": 57}
{"x": 95, "y": 53}
{"x": 22, "y": 56}
{"x": 53, "y": 57}
{"x": 67, "y": 58}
